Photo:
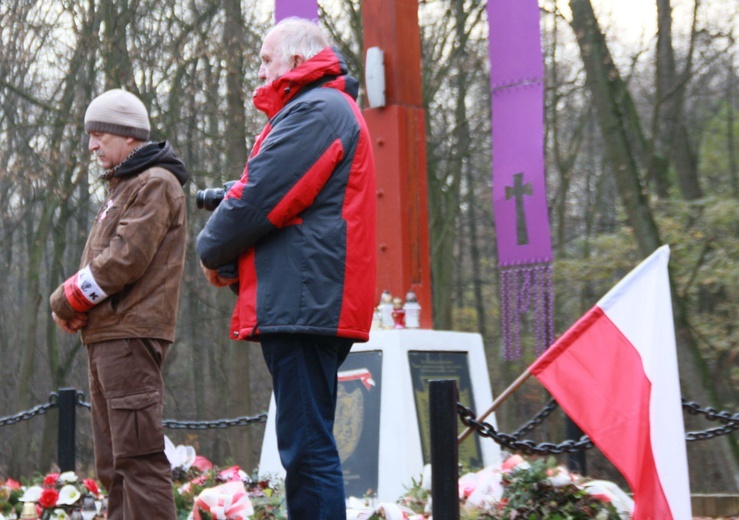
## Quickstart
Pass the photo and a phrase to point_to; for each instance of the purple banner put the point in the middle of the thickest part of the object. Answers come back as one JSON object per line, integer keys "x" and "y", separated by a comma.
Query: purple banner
{"x": 301, "y": 8}
{"x": 519, "y": 184}
{"x": 517, "y": 84}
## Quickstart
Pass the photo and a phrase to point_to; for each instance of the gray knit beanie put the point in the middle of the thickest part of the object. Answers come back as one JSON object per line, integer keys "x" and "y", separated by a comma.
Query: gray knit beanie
{"x": 118, "y": 112}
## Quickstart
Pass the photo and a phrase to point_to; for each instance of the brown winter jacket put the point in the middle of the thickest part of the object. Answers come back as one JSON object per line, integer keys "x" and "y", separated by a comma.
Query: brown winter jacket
{"x": 135, "y": 252}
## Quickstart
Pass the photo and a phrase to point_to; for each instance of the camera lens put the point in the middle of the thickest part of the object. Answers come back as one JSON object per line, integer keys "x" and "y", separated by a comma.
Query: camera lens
{"x": 209, "y": 199}
{"x": 199, "y": 199}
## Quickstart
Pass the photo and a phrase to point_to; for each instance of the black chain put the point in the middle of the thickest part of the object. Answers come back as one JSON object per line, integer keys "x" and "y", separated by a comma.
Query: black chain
{"x": 40, "y": 409}
{"x": 81, "y": 401}
{"x": 513, "y": 442}
{"x": 710, "y": 413}
{"x": 220, "y": 423}
{"x": 730, "y": 421}
{"x": 168, "y": 423}
{"x": 195, "y": 425}
{"x": 712, "y": 432}
{"x": 537, "y": 419}
{"x": 526, "y": 447}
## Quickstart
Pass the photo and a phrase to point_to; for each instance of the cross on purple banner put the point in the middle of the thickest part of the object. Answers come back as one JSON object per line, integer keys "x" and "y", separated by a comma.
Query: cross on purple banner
{"x": 519, "y": 187}
{"x": 517, "y": 191}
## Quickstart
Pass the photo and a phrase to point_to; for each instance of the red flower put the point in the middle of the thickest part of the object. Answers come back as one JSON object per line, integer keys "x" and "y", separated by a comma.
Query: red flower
{"x": 230, "y": 474}
{"x": 12, "y": 484}
{"x": 48, "y": 498}
{"x": 202, "y": 463}
{"x": 91, "y": 486}
{"x": 50, "y": 479}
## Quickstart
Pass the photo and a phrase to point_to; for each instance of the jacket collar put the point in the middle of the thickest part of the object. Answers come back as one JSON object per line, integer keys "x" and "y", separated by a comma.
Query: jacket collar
{"x": 271, "y": 98}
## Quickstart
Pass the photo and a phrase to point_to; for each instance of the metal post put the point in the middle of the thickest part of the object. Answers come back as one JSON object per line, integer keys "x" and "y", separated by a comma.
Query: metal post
{"x": 444, "y": 456}
{"x": 576, "y": 462}
{"x": 67, "y": 403}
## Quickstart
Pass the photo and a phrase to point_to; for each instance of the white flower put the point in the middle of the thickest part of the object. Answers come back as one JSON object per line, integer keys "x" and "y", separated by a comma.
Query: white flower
{"x": 481, "y": 488}
{"x": 605, "y": 490}
{"x": 32, "y": 494}
{"x": 68, "y": 477}
{"x": 68, "y": 495}
{"x": 59, "y": 514}
{"x": 180, "y": 456}
{"x": 559, "y": 477}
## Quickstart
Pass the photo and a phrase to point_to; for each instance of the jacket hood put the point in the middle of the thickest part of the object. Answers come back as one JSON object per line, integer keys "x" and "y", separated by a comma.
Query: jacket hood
{"x": 326, "y": 69}
{"x": 158, "y": 154}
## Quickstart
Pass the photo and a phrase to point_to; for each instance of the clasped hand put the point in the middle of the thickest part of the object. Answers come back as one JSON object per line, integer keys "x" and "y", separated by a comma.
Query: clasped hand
{"x": 215, "y": 279}
{"x": 72, "y": 325}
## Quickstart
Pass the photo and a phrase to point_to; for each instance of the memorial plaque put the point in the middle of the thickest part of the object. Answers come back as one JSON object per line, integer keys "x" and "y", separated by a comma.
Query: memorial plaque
{"x": 357, "y": 426}
{"x": 426, "y": 366}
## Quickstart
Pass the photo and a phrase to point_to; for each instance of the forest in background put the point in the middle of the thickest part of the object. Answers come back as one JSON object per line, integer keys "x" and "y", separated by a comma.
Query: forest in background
{"x": 641, "y": 150}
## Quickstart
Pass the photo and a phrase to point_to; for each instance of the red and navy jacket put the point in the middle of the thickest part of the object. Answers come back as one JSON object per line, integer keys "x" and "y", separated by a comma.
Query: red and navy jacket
{"x": 300, "y": 222}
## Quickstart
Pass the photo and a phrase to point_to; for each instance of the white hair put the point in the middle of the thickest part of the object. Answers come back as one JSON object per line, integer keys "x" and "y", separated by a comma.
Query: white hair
{"x": 300, "y": 37}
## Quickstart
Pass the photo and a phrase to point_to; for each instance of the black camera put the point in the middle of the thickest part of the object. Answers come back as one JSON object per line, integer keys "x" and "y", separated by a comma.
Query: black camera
{"x": 210, "y": 198}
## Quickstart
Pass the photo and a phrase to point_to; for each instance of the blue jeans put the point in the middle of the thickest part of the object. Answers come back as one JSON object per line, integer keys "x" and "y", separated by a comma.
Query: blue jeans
{"x": 304, "y": 369}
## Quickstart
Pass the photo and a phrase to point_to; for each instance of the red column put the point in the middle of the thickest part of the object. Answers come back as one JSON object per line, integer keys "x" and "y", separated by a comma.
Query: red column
{"x": 398, "y": 133}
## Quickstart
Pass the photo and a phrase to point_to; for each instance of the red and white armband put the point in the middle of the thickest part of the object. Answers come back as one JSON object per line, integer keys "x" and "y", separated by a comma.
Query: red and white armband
{"x": 82, "y": 291}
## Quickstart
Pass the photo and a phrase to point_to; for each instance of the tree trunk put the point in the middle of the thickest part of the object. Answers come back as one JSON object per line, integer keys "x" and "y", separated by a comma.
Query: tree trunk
{"x": 671, "y": 141}
{"x": 445, "y": 185}
{"x": 664, "y": 119}
{"x": 475, "y": 256}
{"x": 58, "y": 366}
{"x": 117, "y": 16}
{"x": 609, "y": 95}
{"x": 442, "y": 249}
{"x": 730, "y": 137}
{"x": 236, "y": 156}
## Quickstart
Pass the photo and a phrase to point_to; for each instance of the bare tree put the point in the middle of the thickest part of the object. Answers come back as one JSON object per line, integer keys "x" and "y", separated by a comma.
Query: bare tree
{"x": 670, "y": 136}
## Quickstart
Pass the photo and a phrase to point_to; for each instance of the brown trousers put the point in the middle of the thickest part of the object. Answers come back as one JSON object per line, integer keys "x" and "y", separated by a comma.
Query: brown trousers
{"x": 127, "y": 389}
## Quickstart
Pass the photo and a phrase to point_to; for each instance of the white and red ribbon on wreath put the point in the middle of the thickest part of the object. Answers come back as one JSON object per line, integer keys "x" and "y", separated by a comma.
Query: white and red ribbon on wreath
{"x": 360, "y": 374}
{"x": 227, "y": 501}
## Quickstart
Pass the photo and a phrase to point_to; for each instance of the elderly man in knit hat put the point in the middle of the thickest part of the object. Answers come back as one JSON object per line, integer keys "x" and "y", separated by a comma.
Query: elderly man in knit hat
{"x": 124, "y": 301}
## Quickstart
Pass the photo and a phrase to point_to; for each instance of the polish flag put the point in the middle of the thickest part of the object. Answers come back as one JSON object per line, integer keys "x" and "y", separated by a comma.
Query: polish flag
{"x": 614, "y": 372}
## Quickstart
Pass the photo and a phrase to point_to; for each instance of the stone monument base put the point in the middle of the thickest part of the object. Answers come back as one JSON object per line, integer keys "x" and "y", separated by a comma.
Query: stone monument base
{"x": 382, "y": 416}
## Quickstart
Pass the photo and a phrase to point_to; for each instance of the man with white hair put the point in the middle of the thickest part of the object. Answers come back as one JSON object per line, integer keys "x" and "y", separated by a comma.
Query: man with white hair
{"x": 297, "y": 234}
{"x": 124, "y": 301}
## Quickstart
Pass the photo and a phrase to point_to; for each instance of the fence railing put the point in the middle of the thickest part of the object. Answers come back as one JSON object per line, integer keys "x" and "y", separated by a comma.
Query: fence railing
{"x": 444, "y": 409}
{"x": 67, "y": 400}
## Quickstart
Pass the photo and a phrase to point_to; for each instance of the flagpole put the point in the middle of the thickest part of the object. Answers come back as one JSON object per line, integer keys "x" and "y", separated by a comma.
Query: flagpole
{"x": 496, "y": 403}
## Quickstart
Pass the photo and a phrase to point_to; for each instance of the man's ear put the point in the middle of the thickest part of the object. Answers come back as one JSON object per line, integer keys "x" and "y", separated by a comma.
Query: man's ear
{"x": 297, "y": 60}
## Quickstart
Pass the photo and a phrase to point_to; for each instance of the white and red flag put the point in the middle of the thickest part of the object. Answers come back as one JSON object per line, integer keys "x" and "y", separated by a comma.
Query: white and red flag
{"x": 614, "y": 373}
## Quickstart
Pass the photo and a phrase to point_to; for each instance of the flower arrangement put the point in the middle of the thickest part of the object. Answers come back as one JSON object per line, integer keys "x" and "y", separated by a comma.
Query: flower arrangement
{"x": 55, "y": 496}
{"x": 540, "y": 489}
{"x": 518, "y": 489}
{"x": 10, "y": 491}
{"x": 204, "y": 491}
{"x": 227, "y": 494}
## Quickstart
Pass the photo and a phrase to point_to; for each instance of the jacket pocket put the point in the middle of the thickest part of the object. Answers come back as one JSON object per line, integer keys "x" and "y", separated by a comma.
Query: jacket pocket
{"x": 136, "y": 424}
